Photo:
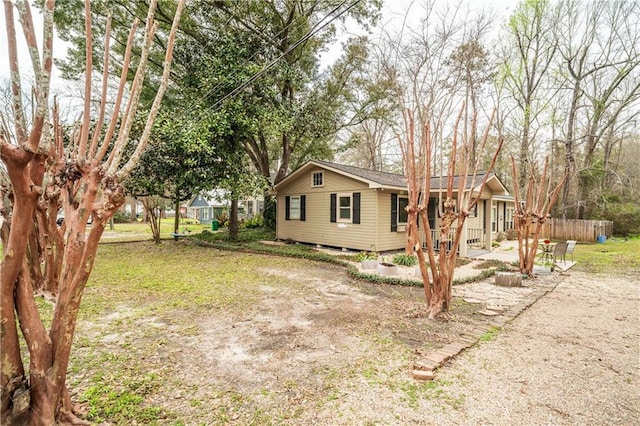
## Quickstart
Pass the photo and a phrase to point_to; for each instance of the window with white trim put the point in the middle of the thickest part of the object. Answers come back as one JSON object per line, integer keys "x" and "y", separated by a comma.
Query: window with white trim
{"x": 403, "y": 215}
{"x": 205, "y": 213}
{"x": 509, "y": 218}
{"x": 344, "y": 208}
{"x": 317, "y": 179}
{"x": 494, "y": 215}
{"x": 294, "y": 208}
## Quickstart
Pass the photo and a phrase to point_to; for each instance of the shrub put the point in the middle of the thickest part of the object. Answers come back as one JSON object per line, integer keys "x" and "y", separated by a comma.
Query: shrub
{"x": 366, "y": 255}
{"x": 121, "y": 217}
{"x": 405, "y": 259}
{"x": 255, "y": 221}
{"x": 500, "y": 236}
{"x": 223, "y": 219}
{"x": 511, "y": 234}
{"x": 625, "y": 217}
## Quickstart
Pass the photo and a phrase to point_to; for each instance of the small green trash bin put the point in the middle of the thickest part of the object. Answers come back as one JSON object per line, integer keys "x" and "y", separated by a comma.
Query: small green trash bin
{"x": 214, "y": 225}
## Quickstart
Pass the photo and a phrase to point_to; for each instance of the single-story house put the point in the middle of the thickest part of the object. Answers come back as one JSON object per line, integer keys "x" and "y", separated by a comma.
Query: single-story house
{"x": 207, "y": 206}
{"x": 336, "y": 205}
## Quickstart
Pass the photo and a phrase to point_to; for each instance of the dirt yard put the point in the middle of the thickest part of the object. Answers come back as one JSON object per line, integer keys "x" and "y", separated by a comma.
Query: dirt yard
{"x": 315, "y": 347}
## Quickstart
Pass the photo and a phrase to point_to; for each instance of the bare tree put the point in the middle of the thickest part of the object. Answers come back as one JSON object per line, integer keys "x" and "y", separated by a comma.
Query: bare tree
{"x": 416, "y": 154}
{"x": 598, "y": 42}
{"x": 524, "y": 72}
{"x": 153, "y": 206}
{"x": 83, "y": 177}
{"x": 532, "y": 211}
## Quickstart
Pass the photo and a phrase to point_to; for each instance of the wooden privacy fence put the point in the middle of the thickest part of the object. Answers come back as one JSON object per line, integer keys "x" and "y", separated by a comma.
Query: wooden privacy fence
{"x": 577, "y": 229}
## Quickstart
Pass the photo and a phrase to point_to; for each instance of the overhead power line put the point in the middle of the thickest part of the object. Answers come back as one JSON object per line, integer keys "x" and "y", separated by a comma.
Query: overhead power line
{"x": 312, "y": 32}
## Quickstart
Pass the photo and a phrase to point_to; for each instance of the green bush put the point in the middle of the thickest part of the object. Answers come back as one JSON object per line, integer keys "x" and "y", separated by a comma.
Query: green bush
{"x": 366, "y": 255}
{"x": 121, "y": 217}
{"x": 405, "y": 259}
{"x": 256, "y": 221}
{"x": 223, "y": 219}
{"x": 625, "y": 217}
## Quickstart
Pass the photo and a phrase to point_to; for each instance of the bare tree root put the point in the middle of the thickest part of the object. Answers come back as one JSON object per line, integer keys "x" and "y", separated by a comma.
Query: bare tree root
{"x": 69, "y": 413}
{"x": 68, "y": 418}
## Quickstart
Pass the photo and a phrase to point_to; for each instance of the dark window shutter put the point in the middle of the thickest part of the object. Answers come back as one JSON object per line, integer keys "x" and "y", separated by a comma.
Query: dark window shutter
{"x": 334, "y": 202}
{"x": 303, "y": 204}
{"x": 287, "y": 207}
{"x": 418, "y": 215}
{"x": 394, "y": 212}
{"x": 356, "y": 207}
{"x": 484, "y": 215}
{"x": 504, "y": 216}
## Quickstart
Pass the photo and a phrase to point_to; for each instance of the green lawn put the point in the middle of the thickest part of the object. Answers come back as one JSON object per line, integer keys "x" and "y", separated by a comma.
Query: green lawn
{"x": 608, "y": 257}
{"x": 166, "y": 228}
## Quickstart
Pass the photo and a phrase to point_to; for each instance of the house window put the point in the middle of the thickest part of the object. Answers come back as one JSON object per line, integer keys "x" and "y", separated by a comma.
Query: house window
{"x": 474, "y": 211}
{"x": 403, "y": 215}
{"x": 494, "y": 214}
{"x": 509, "y": 219}
{"x": 250, "y": 208}
{"x": 344, "y": 207}
{"x": 205, "y": 214}
{"x": 294, "y": 208}
{"x": 317, "y": 179}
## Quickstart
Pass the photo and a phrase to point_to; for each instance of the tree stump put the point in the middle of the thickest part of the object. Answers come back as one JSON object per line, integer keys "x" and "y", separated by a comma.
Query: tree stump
{"x": 509, "y": 279}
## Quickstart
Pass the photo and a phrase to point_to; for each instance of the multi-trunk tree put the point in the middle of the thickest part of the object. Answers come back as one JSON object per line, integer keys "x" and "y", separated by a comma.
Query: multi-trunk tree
{"x": 417, "y": 146}
{"x": 80, "y": 173}
{"x": 532, "y": 211}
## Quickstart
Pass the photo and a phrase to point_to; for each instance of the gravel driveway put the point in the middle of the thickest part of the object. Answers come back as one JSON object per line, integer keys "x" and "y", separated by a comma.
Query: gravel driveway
{"x": 571, "y": 358}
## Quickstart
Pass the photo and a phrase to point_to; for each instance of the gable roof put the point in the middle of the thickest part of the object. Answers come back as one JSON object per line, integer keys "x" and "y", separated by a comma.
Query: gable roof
{"x": 392, "y": 181}
{"x": 214, "y": 198}
{"x": 382, "y": 179}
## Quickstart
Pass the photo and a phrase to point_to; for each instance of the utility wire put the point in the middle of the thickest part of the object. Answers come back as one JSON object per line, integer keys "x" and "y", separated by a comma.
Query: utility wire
{"x": 270, "y": 40}
{"x": 312, "y": 32}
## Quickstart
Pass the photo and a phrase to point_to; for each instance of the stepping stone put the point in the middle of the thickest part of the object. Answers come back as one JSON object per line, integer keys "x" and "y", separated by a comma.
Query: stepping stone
{"x": 423, "y": 375}
{"x": 488, "y": 312}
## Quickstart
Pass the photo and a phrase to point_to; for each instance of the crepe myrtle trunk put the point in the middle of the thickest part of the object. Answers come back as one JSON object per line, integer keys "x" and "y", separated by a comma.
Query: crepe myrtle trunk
{"x": 416, "y": 147}
{"x": 48, "y": 171}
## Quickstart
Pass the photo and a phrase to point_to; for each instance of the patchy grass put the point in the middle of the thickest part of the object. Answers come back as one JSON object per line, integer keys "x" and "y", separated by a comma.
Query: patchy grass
{"x": 178, "y": 333}
{"x": 490, "y": 335}
{"x": 165, "y": 275}
{"x": 609, "y": 257}
{"x": 490, "y": 263}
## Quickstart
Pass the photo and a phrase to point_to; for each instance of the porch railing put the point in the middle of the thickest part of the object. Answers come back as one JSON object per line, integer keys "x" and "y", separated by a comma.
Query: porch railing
{"x": 475, "y": 237}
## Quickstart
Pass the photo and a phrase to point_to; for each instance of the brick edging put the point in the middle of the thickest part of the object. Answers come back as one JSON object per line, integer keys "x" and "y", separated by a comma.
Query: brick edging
{"x": 426, "y": 366}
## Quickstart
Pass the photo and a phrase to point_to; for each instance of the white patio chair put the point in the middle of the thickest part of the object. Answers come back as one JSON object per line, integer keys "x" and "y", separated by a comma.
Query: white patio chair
{"x": 571, "y": 245}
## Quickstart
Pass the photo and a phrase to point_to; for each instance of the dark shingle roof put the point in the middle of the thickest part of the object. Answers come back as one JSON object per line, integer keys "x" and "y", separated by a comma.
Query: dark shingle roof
{"x": 394, "y": 179}
{"x": 382, "y": 178}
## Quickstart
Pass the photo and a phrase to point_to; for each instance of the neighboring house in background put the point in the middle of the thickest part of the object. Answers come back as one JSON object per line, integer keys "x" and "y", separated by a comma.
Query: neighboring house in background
{"x": 207, "y": 206}
{"x": 343, "y": 206}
